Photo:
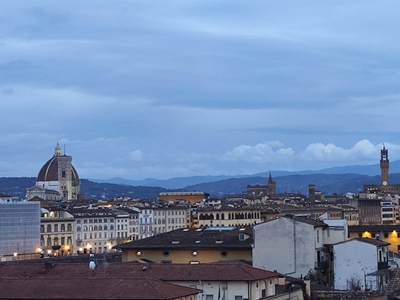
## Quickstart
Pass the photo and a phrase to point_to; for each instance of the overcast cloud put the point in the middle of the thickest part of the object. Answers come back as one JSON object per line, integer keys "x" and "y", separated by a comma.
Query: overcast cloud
{"x": 161, "y": 89}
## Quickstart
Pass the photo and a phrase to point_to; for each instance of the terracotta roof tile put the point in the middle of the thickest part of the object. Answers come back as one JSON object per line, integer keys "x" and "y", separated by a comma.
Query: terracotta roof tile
{"x": 91, "y": 288}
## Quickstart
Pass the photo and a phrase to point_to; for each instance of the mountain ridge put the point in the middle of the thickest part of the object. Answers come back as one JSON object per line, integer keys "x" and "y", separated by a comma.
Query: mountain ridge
{"x": 180, "y": 182}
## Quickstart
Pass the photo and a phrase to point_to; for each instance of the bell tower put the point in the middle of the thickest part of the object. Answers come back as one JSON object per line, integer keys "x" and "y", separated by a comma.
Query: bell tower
{"x": 384, "y": 163}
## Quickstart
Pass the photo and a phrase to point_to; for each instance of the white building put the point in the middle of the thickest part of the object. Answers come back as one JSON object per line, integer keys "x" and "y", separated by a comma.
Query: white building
{"x": 94, "y": 230}
{"x": 122, "y": 226}
{"x": 294, "y": 245}
{"x": 388, "y": 212}
{"x": 145, "y": 222}
{"x": 362, "y": 260}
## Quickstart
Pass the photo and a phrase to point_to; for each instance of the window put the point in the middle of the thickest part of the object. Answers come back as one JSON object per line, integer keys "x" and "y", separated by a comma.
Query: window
{"x": 49, "y": 228}
{"x": 209, "y": 297}
{"x": 78, "y": 228}
{"x": 238, "y": 297}
{"x": 78, "y": 221}
{"x": 55, "y": 227}
{"x": 62, "y": 227}
{"x": 62, "y": 240}
{"x": 69, "y": 227}
{"x": 41, "y": 228}
{"x": 63, "y": 174}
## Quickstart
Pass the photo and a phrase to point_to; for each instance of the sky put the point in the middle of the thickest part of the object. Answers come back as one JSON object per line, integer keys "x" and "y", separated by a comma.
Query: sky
{"x": 162, "y": 89}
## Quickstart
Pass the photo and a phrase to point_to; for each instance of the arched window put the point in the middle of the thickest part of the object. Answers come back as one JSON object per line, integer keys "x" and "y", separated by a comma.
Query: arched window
{"x": 217, "y": 216}
{"x": 84, "y": 228}
{"x": 111, "y": 227}
{"x": 78, "y": 228}
{"x": 222, "y": 216}
{"x": 105, "y": 227}
{"x": 100, "y": 227}
{"x": 95, "y": 228}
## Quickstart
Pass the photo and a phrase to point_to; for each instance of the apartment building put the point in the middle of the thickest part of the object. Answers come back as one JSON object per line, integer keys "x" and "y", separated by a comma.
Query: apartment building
{"x": 94, "y": 230}
{"x": 56, "y": 232}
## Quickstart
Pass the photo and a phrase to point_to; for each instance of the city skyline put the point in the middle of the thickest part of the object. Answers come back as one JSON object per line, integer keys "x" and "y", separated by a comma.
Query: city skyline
{"x": 138, "y": 89}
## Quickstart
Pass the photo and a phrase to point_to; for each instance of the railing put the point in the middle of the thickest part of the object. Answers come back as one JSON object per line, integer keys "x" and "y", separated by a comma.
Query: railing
{"x": 321, "y": 264}
{"x": 383, "y": 265}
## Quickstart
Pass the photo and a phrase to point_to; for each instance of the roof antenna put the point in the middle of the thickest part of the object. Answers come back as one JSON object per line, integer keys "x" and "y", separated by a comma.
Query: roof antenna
{"x": 64, "y": 150}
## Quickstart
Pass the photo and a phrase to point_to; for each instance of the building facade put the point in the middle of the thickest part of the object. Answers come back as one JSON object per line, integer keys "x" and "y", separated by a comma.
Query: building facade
{"x": 56, "y": 232}
{"x": 19, "y": 227}
{"x": 361, "y": 261}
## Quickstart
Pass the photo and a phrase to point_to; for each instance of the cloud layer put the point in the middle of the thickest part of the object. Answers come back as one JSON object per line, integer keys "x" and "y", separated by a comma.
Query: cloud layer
{"x": 143, "y": 89}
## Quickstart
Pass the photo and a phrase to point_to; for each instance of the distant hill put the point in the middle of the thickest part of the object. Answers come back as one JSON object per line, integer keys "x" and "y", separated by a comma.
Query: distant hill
{"x": 179, "y": 182}
{"x": 327, "y": 183}
{"x": 16, "y": 186}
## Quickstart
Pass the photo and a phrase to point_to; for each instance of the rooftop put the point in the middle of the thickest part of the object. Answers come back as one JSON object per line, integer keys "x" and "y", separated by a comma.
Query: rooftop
{"x": 189, "y": 238}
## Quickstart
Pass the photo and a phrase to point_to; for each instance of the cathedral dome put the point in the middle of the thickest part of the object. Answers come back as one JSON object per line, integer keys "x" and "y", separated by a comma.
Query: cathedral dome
{"x": 59, "y": 176}
{"x": 50, "y": 170}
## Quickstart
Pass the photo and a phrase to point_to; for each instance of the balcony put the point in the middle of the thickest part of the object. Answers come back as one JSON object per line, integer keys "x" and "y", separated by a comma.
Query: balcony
{"x": 321, "y": 264}
{"x": 383, "y": 265}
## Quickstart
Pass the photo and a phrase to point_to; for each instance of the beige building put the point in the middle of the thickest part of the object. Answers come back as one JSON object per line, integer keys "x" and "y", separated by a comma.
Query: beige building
{"x": 56, "y": 232}
{"x": 228, "y": 216}
{"x": 191, "y": 246}
{"x": 386, "y": 233}
{"x": 191, "y": 197}
{"x": 170, "y": 218}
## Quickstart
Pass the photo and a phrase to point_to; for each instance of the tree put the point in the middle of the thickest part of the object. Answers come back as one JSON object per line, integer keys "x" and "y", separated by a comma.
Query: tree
{"x": 353, "y": 284}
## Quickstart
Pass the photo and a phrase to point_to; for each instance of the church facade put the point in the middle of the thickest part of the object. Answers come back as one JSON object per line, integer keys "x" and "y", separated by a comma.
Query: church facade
{"x": 57, "y": 179}
{"x": 263, "y": 190}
